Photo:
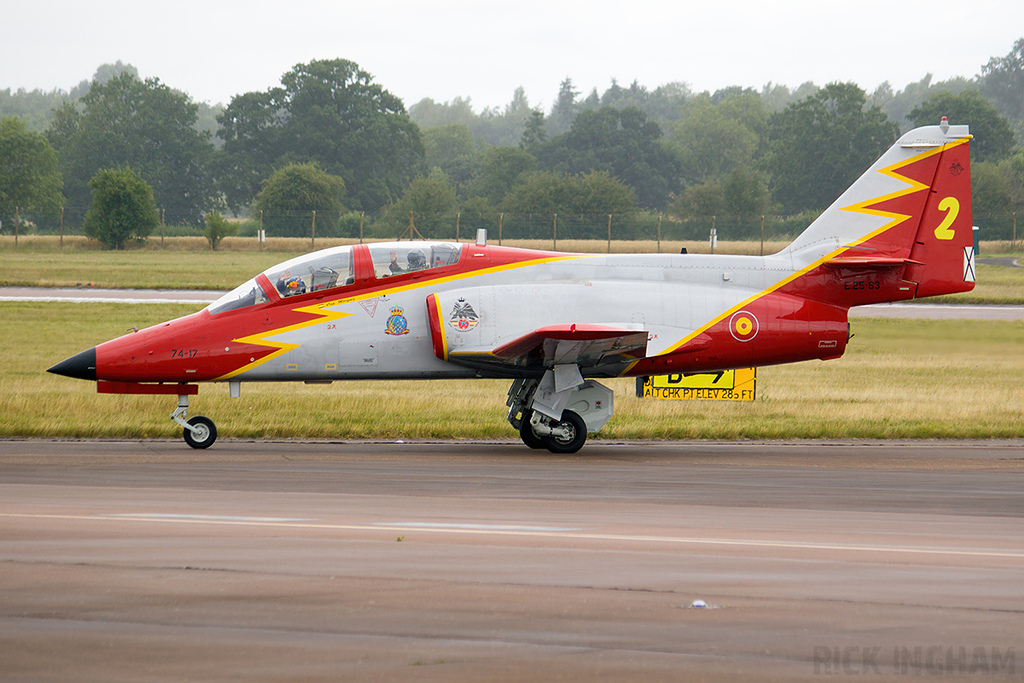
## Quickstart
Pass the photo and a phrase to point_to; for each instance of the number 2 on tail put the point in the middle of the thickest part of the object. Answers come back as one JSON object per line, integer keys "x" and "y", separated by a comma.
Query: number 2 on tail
{"x": 952, "y": 208}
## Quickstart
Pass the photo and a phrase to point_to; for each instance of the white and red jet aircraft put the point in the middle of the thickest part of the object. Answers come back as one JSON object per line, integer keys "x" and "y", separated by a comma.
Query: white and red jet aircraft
{"x": 552, "y": 322}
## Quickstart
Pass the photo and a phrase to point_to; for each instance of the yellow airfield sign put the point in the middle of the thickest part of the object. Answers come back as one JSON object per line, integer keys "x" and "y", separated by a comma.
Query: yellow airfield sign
{"x": 727, "y": 385}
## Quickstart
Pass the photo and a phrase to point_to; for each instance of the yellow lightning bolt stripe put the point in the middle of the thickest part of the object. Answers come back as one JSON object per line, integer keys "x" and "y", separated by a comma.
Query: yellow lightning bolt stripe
{"x": 859, "y": 207}
{"x": 324, "y": 313}
{"x": 260, "y": 338}
{"x": 866, "y": 206}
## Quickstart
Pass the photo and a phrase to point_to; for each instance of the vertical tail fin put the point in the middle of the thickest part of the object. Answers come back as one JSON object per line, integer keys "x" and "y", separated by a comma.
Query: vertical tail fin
{"x": 943, "y": 253}
{"x": 908, "y": 216}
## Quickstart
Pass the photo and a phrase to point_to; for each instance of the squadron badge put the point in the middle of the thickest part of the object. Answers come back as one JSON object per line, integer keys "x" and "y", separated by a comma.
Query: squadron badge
{"x": 397, "y": 324}
{"x": 463, "y": 317}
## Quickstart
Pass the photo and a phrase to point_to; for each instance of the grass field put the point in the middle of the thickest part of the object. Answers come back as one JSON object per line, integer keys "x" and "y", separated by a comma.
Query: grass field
{"x": 188, "y": 263}
{"x": 898, "y": 379}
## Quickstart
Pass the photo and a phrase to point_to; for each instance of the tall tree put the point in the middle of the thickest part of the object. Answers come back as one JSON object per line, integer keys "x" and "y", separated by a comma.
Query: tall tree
{"x": 545, "y": 192}
{"x": 993, "y": 138}
{"x": 30, "y": 182}
{"x": 292, "y": 193}
{"x": 565, "y": 107}
{"x": 501, "y": 170}
{"x": 1002, "y": 82}
{"x": 122, "y": 208}
{"x": 432, "y": 202}
{"x": 622, "y": 143}
{"x": 711, "y": 141}
{"x": 533, "y": 134}
{"x": 144, "y": 125}
{"x": 330, "y": 112}
{"x": 451, "y": 149}
{"x": 429, "y": 114}
{"x": 992, "y": 200}
{"x": 503, "y": 127}
{"x": 820, "y": 145}
{"x": 745, "y": 194}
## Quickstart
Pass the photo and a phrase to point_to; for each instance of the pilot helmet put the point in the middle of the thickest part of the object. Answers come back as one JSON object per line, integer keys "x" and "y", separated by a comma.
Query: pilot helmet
{"x": 416, "y": 259}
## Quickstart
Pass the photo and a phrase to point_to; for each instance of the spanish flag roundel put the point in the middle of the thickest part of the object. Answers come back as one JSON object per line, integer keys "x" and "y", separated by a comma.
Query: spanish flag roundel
{"x": 743, "y": 326}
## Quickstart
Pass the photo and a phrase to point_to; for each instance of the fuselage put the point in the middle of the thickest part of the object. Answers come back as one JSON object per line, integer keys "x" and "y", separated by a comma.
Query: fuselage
{"x": 700, "y": 312}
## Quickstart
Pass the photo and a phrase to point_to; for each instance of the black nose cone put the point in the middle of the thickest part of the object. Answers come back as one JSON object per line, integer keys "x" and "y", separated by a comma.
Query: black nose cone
{"x": 79, "y": 366}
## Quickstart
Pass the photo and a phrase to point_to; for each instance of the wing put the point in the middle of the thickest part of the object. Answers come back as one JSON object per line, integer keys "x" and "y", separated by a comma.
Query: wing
{"x": 590, "y": 346}
{"x": 583, "y": 345}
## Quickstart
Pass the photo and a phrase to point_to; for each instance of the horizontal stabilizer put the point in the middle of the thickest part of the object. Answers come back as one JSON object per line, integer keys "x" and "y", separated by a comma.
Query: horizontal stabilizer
{"x": 870, "y": 262}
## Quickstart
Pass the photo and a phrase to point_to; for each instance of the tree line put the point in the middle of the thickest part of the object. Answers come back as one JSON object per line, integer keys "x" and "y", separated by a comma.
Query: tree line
{"x": 330, "y": 139}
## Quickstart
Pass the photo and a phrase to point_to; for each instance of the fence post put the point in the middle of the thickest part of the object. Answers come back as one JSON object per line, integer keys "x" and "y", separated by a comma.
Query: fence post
{"x": 260, "y": 236}
{"x": 609, "y": 233}
{"x": 361, "y": 227}
{"x": 500, "y": 217}
{"x": 62, "y": 227}
{"x": 762, "y": 234}
{"x": 313, "y": 244}
{"x": 458, "y": 215}
{"x": 554, "y": 235}
{"x": 659, "y": 233}
{"x": 17, "y": 209}
{"x": 162, "y": 227}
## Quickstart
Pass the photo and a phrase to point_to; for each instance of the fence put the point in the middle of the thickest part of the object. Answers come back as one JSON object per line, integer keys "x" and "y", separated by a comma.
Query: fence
{"x": 461, "y": 226}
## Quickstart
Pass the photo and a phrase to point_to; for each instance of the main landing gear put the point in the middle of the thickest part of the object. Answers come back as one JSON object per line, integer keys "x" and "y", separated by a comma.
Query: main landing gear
{"x": 200, "y": 432}
{"x": 556, "y": 411}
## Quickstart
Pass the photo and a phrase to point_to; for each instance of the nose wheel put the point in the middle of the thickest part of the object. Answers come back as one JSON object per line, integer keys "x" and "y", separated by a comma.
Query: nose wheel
{"x": 200, "y": 432}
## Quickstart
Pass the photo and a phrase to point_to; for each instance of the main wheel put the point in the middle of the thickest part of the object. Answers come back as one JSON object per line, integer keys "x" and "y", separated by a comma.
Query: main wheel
{"x": 526, "y": 432}
{"x": 204, "y": 434}
{"x": 576, "y": 438}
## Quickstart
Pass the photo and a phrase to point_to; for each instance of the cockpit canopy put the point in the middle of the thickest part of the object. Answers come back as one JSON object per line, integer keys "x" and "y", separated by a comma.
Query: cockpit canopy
{"x": 335, "y": 267}
{"x": 394, "y": 258}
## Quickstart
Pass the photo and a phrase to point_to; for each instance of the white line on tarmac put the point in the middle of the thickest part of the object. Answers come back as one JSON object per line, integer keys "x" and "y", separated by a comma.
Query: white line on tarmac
{"x": 568, "y": 535}
{"x": 100, "y": 300}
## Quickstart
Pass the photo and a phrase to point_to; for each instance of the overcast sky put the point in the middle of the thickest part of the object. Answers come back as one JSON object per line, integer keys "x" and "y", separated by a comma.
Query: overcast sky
{"x": 444, "y": 49}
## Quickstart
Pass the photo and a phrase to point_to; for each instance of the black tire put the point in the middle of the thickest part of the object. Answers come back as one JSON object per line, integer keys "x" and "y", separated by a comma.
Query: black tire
{"x": 577, "y": 434}
{"x": 526, "y": 432}
{"x": 205, "y": 434}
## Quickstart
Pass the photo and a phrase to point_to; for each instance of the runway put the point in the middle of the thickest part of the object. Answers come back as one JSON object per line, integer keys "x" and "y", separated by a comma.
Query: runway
{"x": 451, "y": 561}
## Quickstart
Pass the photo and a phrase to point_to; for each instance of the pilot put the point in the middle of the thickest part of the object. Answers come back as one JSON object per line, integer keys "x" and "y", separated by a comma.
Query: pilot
{"x": 416, "y": 261}
{"x": 290, "y": 286}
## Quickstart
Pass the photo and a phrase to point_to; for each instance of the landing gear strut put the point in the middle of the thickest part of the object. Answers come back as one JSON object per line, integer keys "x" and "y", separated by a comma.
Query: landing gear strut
{"x": 582, "y": 407}
{"x": 200, "y": 432}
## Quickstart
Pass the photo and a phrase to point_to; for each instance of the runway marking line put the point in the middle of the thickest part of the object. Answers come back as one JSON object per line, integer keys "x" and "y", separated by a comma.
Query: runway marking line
{"x": 101, "y": 300}
{"x": 497, "y": 530}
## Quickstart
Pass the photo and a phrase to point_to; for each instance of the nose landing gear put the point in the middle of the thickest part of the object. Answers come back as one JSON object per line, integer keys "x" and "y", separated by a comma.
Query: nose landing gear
{"x": 200, "y": 432}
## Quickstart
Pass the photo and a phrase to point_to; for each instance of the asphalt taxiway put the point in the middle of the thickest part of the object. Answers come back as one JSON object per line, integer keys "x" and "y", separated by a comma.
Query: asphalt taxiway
{"x": 447, "y": 561}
